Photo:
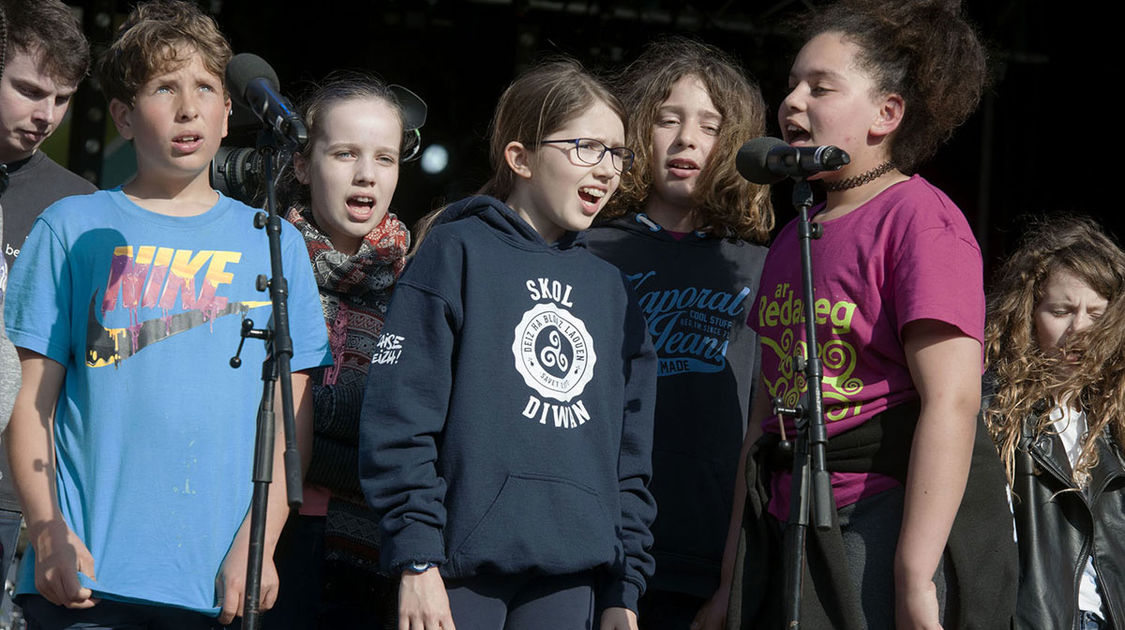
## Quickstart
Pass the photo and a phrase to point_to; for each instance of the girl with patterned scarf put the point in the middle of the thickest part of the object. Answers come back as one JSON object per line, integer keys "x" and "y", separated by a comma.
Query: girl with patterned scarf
{"x": 342, "y": 182}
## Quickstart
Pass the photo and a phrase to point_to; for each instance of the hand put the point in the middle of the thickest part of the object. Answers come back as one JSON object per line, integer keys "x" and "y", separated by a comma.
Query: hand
{"x": 59, "y": 556}
{"x": 230, "y": 585}
{"x": 423, "y": 603}
{"x": 916, "y": 607}
{"x": 712, "y": 615}
{"x": 619, "y": 619}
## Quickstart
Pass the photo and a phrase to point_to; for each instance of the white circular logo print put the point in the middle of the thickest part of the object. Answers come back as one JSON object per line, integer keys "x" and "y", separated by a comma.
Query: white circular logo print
{"x": 554, "y": 352}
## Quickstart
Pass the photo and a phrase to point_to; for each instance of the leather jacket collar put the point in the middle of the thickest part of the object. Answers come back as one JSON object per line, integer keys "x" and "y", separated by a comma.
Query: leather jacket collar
{"x": 1048, "y": 453}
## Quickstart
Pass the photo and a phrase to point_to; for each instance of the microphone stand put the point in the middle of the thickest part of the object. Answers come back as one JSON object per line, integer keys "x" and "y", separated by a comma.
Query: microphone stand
{"x": 811, "y": 487}
{"x": 275, "y": 369}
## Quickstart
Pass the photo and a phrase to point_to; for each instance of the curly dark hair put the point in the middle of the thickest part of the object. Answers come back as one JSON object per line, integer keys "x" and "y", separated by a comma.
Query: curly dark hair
{"x": 1025, "y": 374}
{"x": 48, "y": 27}
{"x": 729, "y": 205}
{"x": 922, "y": 50}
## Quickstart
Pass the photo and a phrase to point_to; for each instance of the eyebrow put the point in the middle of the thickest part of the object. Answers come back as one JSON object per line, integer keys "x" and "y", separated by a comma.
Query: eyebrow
{"x": 1071, "y": 301}
{"x": 355, "y": 145}
{"x": 27, "y": 85}
{"x": 170, "y": 76}
{"x": 678, "y": 109}
{"x": 819, "y": 74}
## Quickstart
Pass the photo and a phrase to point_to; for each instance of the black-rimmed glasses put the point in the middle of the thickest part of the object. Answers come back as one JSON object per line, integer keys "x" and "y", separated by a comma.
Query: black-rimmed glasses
{"x": 592, "y": 151}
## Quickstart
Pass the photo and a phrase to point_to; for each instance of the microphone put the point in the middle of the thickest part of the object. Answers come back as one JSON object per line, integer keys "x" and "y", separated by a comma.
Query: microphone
{"x": 769, "y": 160}
{"x": 254, "y": 84}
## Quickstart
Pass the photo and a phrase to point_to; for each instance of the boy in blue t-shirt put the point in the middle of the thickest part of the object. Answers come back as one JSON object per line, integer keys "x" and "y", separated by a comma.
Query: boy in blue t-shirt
{"x": 131, "y": 440}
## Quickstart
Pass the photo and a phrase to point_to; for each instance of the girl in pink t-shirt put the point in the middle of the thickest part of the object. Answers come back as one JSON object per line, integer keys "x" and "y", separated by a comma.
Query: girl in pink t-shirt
{"x": 899, "y": 312}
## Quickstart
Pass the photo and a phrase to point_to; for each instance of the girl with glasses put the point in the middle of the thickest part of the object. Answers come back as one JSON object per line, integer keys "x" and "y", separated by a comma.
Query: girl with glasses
{"x": 507, "y": 426}
{"x": 687, "y": 230}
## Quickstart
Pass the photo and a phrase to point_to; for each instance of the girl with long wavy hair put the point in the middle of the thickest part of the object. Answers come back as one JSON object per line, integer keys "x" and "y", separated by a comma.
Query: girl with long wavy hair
{"x": 1055, "y": 346}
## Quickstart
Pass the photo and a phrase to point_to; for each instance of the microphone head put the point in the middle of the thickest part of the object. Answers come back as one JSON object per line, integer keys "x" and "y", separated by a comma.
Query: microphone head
{"x": 243, "y": 69}
{"x": 833, "y": 158}
{"x": 751, "y": 160}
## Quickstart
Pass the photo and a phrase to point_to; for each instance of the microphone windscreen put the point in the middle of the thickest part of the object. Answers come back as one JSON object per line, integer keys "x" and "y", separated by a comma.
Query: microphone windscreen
{"x": 751, "y": 161}
{"x": 244, "y": 68}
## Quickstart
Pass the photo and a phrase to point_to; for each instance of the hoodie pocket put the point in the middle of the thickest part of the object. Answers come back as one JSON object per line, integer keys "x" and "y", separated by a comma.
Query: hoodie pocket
{"x": 540, "y": 523}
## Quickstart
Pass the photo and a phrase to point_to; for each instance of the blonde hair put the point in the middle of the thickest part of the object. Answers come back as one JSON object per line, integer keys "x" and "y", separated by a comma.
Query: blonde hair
{"x": 1027, "y": 375}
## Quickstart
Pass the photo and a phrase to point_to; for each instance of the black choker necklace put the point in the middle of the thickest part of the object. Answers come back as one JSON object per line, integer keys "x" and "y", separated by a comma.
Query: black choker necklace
{"x": 859, "y": 180}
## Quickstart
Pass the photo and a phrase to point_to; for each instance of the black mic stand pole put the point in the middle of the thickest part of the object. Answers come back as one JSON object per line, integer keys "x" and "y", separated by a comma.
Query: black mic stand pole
{"x": 811, "y": 484}
{"x": 275, "y": 369}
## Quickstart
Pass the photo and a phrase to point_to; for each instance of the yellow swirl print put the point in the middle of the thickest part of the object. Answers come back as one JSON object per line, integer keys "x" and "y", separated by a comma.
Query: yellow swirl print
{"x": 840, "y": 356}
{"x": 840, "y": 386}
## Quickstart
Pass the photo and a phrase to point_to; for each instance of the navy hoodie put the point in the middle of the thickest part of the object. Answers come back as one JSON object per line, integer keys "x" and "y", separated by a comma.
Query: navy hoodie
{"x": 507, "y": 424}
{"x": 695, "y": 293}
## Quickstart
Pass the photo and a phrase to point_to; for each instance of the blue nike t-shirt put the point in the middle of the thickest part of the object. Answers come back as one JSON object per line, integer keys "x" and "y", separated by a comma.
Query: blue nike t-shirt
{"x": 154, "y": 431}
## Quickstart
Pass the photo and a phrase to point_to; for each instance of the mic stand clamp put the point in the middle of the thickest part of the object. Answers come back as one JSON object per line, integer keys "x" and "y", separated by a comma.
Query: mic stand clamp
{"x": 275, "y": 370}
{"x": 811, "y": 490}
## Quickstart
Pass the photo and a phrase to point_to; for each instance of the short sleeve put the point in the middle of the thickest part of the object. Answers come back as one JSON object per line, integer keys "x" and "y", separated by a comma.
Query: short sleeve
{"x": 306, "y": 315}
{"x": 37, "y": 306}
{"x": 938, "y": 274}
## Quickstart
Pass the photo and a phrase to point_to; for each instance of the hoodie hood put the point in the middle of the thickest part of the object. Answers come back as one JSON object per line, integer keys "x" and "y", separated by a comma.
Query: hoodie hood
{"x": 499, "y": 216}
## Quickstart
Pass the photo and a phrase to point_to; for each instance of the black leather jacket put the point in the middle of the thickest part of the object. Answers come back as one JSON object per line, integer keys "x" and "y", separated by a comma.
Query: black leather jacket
{"x": 1060, "y": 528}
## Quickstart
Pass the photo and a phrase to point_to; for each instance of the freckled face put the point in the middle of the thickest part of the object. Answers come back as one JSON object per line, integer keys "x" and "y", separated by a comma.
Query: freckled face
{"x": 1068, "y": 305}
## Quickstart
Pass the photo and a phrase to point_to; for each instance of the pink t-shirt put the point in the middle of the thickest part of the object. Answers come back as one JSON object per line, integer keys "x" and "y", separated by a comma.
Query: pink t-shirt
{"x": 907, "y": 254}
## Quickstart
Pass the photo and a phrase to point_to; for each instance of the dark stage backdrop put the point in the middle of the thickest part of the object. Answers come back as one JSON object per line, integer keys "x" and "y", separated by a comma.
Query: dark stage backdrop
{"x": 459, "y": 55}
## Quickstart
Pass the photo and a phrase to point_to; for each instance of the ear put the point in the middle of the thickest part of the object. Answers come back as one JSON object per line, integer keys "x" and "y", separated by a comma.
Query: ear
{"x": 301, "y": 168}
{"x": 889, "y": 117}
{"x": 120, "y": 112}
{"x": 518, "y": 158}
{"x": 226, "y": 119}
